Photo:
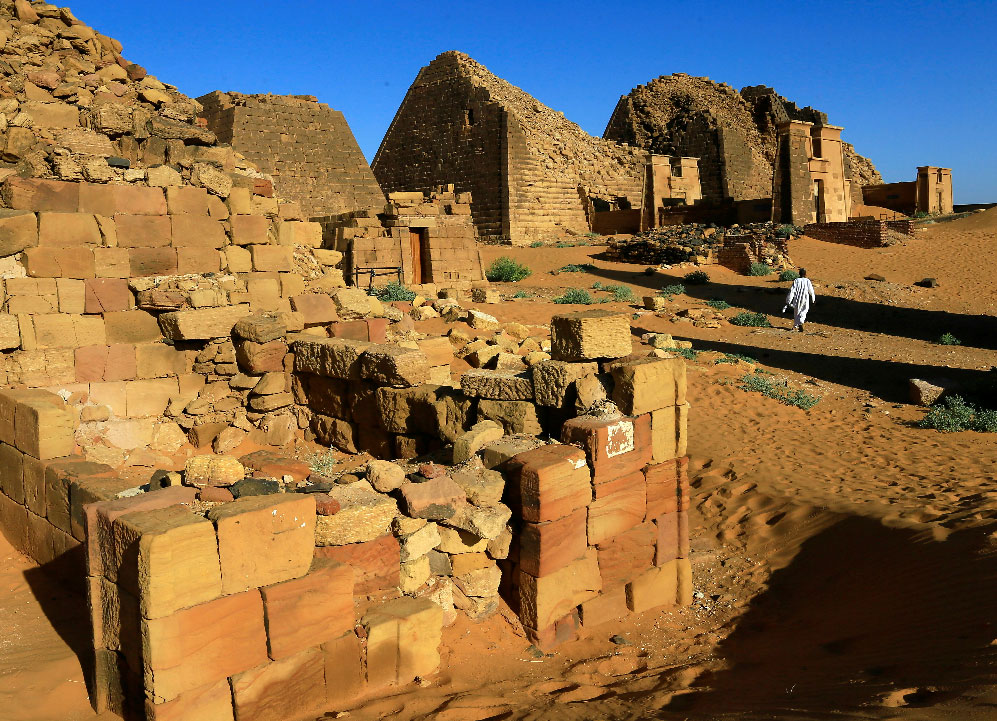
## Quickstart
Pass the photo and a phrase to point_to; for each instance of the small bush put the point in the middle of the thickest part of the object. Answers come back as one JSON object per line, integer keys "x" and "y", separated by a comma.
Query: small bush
{"x": 621, "y": 293}
{"x": 787, "y": 231}
{"x": 759, "y": 269}
{"x": 949, "y": 339}
{"x": 575, "y": 268}
{"x": 758, "y": 383}
{"x": 592, "y": 235}
{"x": 697, "y": 277}
{"x": 734, "y": 358}
{"x": 537, "y": 244}
{"x": 718, "y": 304}
{"x": 687, "y": 353}
{"x": 521, "y": 294}
{"x": 921, "y": 214}
{"x": 324, "y": 463}
{"x": 788, "y": 275}
{"x": 394, "y": 291}
{"x": 598, "y": 285}
{"x": 506, "y": 270}
{"x": 954, "y": 413}
{"x": 751, "y": 320}
{"x": 670, "y": 290}
{"x": 575, "y": 296}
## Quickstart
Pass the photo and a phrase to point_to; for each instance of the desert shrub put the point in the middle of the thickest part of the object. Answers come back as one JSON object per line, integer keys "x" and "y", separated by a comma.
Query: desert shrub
{"x": 575, "y": 268}
{"x": 922, "y": 214}
{"x": 949, "y": 339}
{"x": 507, "y": 270}
{"x": 598, "y": 285}
{"x": 762, "y": 383}
{"x": 751, "y": 320}
{"x": 324, "y": 463}
{"x": 621, "y": 293}
{"x": 718, "y": 304}
{"x": 575, "y": 296}
{"x": 697, "y": 277}
{"x": 787, "y": 231}
{"x": 759, "y": 269}
{"x": 537, "y": 244}
{"x": 734, "y": 358}
{"x": 687, "y": 353}
{"x": 592, "y": 235}
{"x": 521, "y": 294}
{"x": 670, "y": 290}
{"x": 954, "y": 413}
{"x": 394, "y": 291}
{"x": 788, "y": 275}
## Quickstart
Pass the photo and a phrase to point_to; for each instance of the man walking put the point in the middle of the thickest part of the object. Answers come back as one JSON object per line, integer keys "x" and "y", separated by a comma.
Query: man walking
{"x": 801, "y": 295}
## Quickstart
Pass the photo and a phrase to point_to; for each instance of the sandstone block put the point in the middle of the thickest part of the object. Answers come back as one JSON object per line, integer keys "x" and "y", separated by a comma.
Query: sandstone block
{"x": 12, "y": 473}
{"x": 250, "y": 229}
{"x": 671, "y": 537}
{"x": 476, "y": 575}
{"x": 553, "y": 381}
{"x": 653, "y": 588}
{"x": 261, "y": 327}
{"x": 364, "y": 515}
{"x": 619, "y": 505}
{"x": 201, "y": 323}
{"x": 394, "y": 365}
{"x": 403, "y": 639}
{"x": 627, "y": 555}
{"x": 131, "y": 326}
{"x": 18, "y": 231}
{"x": 548, "y": 547}
{"x": 497, "y": 385}
{"x": 352, "y": 303}
{"x": 203, "y": 644}
{"x": 514, "y": 416}
{"x": 272, "y": 258}
{"x": 104, "y": 295}
{"x": 614, "y": 447}
{"x": 482, "y": 487}
{"x": 667, "y": 488}
{"x": 213, "y": 470}
{"x": 264, "y": 539}
{"x": 544, "y": 600}
{"x": 548, "y": 483}
{"x": 43, "y": 425}
{"x": 610, "y": 605}
{"x": 648, "y": 384}
{"x": 590, "y": 335}
{"x": 375, "y": 563}
{"x": 420, "y": 542}
{"x": 468, "y": 444}
{"x": 187, "y": 200}
{"x": 488, "y": 523}
{"x": 343, "y": 670}
{"x": 310, "y": 610}
{"x": 289, "y": 688}
{"x": 151, "y": 261}
{"x": 317, "y": 308}
{"x": 212, "y": 702}
{"x": 435, "y": 499}
{"x": 664, "y": 435}
{"x": 10, "y": 332}
{"x": 143, "y": 231}
{"x": 330, "y": 357}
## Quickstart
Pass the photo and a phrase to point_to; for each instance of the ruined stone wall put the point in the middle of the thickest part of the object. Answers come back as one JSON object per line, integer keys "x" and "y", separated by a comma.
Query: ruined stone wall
{"x": 306, "y": 145}
{"x": 859, "y": 233}
{"x": 530, "y": 170}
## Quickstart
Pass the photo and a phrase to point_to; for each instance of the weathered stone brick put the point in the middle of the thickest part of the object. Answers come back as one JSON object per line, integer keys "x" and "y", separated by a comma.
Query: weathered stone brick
{"x": 590, "y": 335}
{"x": 548, "y": 483}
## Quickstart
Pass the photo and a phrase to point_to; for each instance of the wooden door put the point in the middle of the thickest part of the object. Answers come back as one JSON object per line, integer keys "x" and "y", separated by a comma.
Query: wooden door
{"x": 415, "y": 240}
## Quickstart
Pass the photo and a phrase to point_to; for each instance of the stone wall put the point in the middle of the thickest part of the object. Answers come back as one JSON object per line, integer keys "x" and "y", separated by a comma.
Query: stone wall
{"x": 930, "y": 193}
{"x": 531, "y": 171}
{"x": 306, "y": 145}
{"x": 860, "y": 233}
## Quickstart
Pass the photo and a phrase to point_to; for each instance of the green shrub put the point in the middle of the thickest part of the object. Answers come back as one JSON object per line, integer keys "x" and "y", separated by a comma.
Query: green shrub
{"x": 575, "y": 268}
{"x": 697, "y": 277}
{"x": 670, "y": 290}
{"x": 751, "y": 320}
{"x": 759, "y": 269}
{"x": 759, "y": 383}
{"x": 592, "y": 235}
{"x": 537, "y": 244}
{"x": 575, "y": 296}
{"x": 788, "y": 275}
{"x": 949, "y": 339}
{"x": 922, "y": 214}
{"x": 324, "y": 463}
{"x": 687, "y": 353}
{"x": 506, "y": 270}
{"x": 734, "y": 358}
{"x": 621, "y": 293}
{"x": 598, "y": 285}
{"x": 954, "y": 413}
{"x": 786, "y": 231}
{"x": 394, "y": 291}
{"x": 521, "y": 294}
{"x": 718, "y": 304}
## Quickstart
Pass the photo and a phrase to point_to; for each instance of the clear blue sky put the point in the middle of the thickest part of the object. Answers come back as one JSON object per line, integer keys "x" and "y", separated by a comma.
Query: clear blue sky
{"x": 913, "y": 83}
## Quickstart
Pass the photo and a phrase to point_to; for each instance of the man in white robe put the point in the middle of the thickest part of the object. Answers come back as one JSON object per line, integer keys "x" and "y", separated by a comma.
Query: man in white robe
{"x": 801, "y": 296}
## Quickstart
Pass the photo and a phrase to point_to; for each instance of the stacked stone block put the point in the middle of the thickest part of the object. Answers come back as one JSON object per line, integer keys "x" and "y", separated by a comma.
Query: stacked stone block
{"x": 306, "y": 145}
{"x": 860, "y": 233}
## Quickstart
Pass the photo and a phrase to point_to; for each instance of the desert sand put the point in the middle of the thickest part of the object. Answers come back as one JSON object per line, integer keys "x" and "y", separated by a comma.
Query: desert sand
{"x": 845, "y": 561}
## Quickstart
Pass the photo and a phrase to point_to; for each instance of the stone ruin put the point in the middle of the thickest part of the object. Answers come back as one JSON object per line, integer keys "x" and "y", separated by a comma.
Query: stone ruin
{"x": 930, "y": 193}
{"x": 532, "y": 173}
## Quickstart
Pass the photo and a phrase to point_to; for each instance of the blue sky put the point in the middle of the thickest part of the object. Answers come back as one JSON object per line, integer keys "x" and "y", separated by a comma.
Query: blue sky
{"x": 913, "y": 83}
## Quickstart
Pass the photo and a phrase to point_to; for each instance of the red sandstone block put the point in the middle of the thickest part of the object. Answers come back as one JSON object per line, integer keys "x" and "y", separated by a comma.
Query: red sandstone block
{"x": 263, "y": 187}
{"x": 207, "y": 703}
{"x": 259, "y": 358}
{"x": 610, "y": 605}
{"x": 376, "y": 563}
{"x": 317, "y": 308}
{"x": 152, "y": 261}
{"x": 292, "y": 688}
{"x": 550, "y": 546}
{"x": 624, "y": 557}
{"x": 672, "y": 537}
{"x": 67, "y": 230}
{"x": 667, "y": 487}
{"x": 45, "y": 195}
{"x": 187, "y": 200}
{"x": 203, "y": 644}
{"x": 250, "y": 229}
{"x": 548, "y": 483}
{"x": 103, "y": 295}
{"x": 614, "y": 448}
{"x": 563, "y": 630}
{"x": 143, "y": 231}
{"x": 198, "y": 231}
{"x": 350, "y": 329}
{"x": 111, "y": 262}
{"x": 343, "y": 670}
{"x": 272, "y": 258}
{"x": 619, "y": 506}
{"x": 60, "y": 262}
{"x": 105, "y": 363}
{"x": 198, "y": 261}
{"x": 14, "y": 523}
{"x": 310, "y": 610}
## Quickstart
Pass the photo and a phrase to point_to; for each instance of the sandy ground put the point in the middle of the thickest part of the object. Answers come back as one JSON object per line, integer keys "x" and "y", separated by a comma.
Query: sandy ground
{"x": 845, "y": 561}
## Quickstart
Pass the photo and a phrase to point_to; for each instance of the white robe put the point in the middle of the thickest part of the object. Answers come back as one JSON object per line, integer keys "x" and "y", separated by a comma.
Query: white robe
{"x": 801, "y": 295}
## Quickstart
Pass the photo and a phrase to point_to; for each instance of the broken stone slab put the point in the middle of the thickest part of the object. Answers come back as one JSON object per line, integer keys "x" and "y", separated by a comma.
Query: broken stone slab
{"x": 481, "y": 321}
{"x": 488, "y": 522}
{"x": 329, "y": 357}
{"x": 590, "y": 335}
{"x": 466, "y": 445}
{"x": 261, "y": 327}
{"x": 514, "y": 416}
{"x": 924, "y": 393}
{"x": 201, "y": 323}
{"x": 482, "y": 487}
{"x": 436, "y": 499}
{"x": 553, "y": 380}
{"x": 497, "y": 385}
{"x": 363, "y": 516}
{"x": 476, "y": 575}
{"x": 219, "y": 470}
{"x": 420, "y": 542}
{"x": 394, "y": 365}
